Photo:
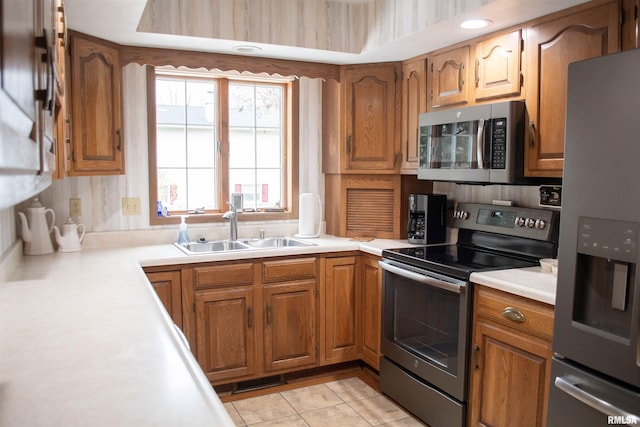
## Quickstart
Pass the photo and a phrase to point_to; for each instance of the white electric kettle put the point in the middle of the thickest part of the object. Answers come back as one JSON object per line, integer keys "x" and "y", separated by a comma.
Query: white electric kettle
{"x": 72, "y": 237}
{"x": 310, "y": 218}
{"x": 36, "y": 232}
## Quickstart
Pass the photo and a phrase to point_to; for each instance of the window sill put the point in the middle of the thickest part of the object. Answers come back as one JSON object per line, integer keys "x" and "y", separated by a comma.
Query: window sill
{"x": 217, "y": 217}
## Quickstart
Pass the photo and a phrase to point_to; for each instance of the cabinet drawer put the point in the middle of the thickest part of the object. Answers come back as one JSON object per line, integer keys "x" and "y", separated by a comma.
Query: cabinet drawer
{"x": 290, "y": 269}
{"x": 223, "y": 275}
{"x": 517, "y": 312}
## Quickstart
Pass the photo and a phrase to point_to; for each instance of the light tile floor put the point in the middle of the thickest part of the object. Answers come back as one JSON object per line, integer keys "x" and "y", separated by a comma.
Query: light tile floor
{"x": 349, "y": 402}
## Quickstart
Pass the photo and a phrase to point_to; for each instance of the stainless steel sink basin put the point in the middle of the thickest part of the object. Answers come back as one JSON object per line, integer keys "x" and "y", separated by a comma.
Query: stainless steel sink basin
{"x": 275, "y": 242}
{"x": 196, "y": 248}
{"x": 213, "y": 246}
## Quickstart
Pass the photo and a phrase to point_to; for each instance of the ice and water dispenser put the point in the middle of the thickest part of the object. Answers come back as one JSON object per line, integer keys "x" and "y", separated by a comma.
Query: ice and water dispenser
{"x": 605, "y": 275}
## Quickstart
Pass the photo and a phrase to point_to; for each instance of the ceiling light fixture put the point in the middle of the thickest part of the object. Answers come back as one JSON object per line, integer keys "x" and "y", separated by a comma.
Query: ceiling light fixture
{"x": 474, "y": 24}
{"x": 245, "y": 48}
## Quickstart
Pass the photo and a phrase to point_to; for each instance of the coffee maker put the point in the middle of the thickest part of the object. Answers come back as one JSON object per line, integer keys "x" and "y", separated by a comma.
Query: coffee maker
{"x": 427, "y": 218}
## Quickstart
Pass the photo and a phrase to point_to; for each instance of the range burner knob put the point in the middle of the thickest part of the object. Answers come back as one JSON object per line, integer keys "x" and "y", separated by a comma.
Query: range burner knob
{"x": 530, "y": 222}
{"x": 540, "y": 224}
{"x": 519, "y": 221}
{"x": 460, "y": 214}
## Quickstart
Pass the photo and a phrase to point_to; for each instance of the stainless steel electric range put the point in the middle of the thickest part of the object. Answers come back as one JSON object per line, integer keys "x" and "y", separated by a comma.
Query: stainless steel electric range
{"x": 427, "y": 303}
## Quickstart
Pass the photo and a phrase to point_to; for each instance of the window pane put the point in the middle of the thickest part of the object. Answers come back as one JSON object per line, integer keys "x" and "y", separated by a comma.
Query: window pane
{"x": 243, "y": 181}
{"x": 269, "y": 148}
{"x": 242, "y": 149}
{"x": 186, "y": 142}
{"x": 171, "y": 146}
{"x": 270, "y": 187}
{"x": 268, "y": 106}
{"x": 241, "y": 105}
{"x": 202, "y": 191}
{"x": 202, "y": 147}
{"x": 172, "y": 188}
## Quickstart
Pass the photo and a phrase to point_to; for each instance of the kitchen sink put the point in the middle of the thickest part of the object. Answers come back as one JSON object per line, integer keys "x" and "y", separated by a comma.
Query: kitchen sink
{"x": 196, "y": 248}
{"x": 275, "y": 242}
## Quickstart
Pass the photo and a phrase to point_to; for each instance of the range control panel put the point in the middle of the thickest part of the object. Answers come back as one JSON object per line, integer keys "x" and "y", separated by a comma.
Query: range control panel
{"x": 540, "y": 224}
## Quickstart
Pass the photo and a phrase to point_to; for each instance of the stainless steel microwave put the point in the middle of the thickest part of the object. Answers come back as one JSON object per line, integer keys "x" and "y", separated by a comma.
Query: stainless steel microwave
{"x": 479, "y": 144}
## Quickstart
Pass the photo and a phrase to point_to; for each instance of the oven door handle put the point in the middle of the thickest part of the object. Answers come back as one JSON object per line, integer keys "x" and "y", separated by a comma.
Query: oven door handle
{"x": 420, "y": 278}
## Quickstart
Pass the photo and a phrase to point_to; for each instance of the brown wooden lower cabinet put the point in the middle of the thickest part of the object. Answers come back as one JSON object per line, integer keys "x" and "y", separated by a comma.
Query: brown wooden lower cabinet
{"x": 290, "y": 326}
{"x": 372, "y": 310}
{"x": 342, "y": 317}
{"x": 167, "y": 285}
{"x": 225, "y": 343}
{"x": 252, "y": 318}
{"x": 510, "y": 360}
{"x": 256, "y": 318}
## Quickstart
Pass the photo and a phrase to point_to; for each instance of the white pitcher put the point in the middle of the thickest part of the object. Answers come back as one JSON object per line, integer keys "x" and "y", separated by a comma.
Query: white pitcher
{"x": 72, "y": 237}
{"x": 36, "y": 232}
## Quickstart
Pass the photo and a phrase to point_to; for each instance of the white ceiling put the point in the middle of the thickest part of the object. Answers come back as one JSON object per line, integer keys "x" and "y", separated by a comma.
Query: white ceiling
{"x": 117, "y": 20}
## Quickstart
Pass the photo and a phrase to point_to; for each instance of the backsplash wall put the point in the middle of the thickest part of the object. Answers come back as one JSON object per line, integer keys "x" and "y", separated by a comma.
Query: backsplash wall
{"x": 526, "y": 196}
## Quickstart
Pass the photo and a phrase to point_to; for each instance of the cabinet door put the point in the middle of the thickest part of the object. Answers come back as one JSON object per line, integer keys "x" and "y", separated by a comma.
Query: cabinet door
{"x": 225, "y": 336}
{"x": 343, "y": 307}
{"x": 551, "y": 46}
{"x": 371, "y": 107}
{"x": 449, "y": 78}
{"x": 23, "y": 162}
{"x": 631, "y": 24}
{"x": 97, "y": 134}
{"x": 414, "y": 102}
{"x": 372, "y": 310}
{"x": 289, "y": 325}
{"x": 497, "y": 67}
{"x": 509, "y": 379}
{"x": 167, "y": 285}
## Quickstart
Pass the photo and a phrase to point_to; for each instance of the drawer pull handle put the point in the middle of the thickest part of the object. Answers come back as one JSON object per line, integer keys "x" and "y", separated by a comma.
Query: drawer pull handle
{"x": 514, "y": 314}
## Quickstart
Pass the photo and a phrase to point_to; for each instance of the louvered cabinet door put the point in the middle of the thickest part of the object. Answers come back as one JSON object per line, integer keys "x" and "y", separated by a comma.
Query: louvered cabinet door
{"x": 363, "y": 205}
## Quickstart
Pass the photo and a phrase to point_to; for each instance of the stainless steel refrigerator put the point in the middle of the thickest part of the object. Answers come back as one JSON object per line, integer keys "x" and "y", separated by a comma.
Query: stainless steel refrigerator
{"x": 595, "y": 374}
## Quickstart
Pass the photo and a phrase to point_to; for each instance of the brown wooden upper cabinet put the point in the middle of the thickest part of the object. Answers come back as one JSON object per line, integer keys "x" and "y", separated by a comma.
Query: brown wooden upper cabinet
{"x": 552, "y": 43}
{"x": 97, "y": 143}
{"x": 449, "y": 78}
{"x": 497, "y": 66}
{"x": 361, "y": 120}
{"x": 414, "y": 102}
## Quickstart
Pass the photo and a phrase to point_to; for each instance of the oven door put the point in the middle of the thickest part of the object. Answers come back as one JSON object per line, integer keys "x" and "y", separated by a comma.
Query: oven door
{"x": 425, "y": 325}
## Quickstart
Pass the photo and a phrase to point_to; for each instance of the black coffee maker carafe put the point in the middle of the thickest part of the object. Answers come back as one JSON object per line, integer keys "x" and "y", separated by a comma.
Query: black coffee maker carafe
{"x": 427, "y": 221}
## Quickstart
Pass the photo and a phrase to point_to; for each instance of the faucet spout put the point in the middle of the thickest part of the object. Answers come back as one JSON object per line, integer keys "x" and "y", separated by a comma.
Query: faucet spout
{"x": 232, "y": 216}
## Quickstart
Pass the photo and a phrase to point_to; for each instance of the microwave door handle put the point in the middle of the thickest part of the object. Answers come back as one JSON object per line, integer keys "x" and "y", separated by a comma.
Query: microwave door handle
{"x": 426, "y": 280}
{"x": 480, "y": 144}
{"x": 596, "y": 403}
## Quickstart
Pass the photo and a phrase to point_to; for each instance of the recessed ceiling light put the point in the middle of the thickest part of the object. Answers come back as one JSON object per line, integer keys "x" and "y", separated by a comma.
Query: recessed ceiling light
{"x": 474, "y": 24}
{"x": 245, "y": 48}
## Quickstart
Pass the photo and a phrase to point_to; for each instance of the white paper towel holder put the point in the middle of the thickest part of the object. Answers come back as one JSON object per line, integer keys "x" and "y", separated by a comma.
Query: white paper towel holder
{"x": 310, "y": 216}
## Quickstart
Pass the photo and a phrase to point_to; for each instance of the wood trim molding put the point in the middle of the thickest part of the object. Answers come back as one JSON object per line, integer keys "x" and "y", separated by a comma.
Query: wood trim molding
{"x": 222, "y": 62}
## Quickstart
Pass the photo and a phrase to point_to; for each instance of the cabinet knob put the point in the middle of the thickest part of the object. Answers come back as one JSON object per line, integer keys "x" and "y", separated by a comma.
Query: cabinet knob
{"x": 514, "y": 314}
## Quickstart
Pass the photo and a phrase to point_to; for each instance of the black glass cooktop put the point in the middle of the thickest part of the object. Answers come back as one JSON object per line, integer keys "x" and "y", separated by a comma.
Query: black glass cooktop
{"x": 456, "y": 261}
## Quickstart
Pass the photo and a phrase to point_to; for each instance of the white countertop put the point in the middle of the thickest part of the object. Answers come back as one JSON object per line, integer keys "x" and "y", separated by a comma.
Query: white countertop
{"x": 530, "y": 282}
{"x": 84, "y": 340}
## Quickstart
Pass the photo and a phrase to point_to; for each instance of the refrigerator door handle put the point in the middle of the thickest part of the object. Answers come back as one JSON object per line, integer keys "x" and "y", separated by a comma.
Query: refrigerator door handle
{"x": 600, "y": 405}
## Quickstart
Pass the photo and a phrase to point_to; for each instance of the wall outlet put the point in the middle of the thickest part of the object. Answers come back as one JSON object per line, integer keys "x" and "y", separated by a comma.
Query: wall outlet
{"x": 131, "y": 206}
{"x": 75, "y": 208}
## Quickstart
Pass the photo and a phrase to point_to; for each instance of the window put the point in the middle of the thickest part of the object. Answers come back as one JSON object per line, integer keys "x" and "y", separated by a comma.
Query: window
{"x": 213, "y": 135}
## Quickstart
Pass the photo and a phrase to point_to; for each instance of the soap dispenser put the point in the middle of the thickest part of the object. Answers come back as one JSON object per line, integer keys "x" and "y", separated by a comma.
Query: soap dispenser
{"x": 183, "y": 237}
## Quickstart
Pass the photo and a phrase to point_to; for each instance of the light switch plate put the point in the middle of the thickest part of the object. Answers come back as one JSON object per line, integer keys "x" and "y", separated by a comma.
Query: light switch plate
{"x": 131, "y": 206}
{"x": 75, "y": 207}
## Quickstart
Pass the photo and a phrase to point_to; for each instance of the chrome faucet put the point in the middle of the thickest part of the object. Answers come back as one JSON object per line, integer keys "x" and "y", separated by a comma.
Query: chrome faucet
{"x": 232, "y": 216}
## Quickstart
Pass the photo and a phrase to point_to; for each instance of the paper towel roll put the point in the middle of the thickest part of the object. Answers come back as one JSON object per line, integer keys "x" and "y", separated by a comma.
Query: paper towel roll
{"x": 309, "y": 217}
